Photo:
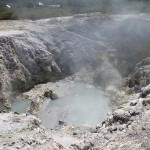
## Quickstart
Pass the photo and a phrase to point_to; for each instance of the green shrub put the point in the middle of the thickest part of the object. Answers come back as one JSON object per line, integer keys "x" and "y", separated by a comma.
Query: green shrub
{"x": 23, "y": 10}
{"x": 8, "y": 14}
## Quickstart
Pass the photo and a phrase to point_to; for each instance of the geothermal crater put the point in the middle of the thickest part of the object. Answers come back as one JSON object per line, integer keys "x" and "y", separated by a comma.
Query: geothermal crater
{"x": 83, "y": 105}
{"x": 94, "y": 51}
{"x": 94, "y": 63}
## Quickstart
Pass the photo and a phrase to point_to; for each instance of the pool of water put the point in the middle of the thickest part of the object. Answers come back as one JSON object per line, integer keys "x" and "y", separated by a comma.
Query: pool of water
{"x": 84, "y": 105}
{"x": 20, "y": 106}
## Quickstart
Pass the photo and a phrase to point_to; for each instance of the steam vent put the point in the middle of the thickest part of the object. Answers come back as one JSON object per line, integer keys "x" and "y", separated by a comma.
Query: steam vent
{"x": 75, "y": 75}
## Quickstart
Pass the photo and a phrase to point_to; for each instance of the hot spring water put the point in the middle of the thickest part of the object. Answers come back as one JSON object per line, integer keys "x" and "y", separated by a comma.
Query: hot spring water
{"x": 84, "y": 105}
{"x": 20, "y": 106}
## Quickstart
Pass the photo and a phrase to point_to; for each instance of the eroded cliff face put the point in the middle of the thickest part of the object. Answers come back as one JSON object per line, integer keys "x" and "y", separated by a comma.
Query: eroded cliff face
{"x": 21, "y": 64}
{"x": 141, "y": 75}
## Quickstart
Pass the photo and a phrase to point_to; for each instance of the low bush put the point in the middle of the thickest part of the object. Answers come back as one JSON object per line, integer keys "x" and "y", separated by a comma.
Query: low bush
{"x": 8, "y": 14}
{"x": 23, "y": 11}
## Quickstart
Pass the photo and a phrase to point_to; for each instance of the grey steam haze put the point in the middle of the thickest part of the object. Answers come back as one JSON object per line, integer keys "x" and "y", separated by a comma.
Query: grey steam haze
{"x": 119, "y": 43}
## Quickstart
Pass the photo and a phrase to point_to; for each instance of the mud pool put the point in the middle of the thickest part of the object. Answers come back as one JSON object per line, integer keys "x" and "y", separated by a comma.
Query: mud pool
{"x": 20, "y": 106}
{"x": 84, "y": 105}
{"x": 81, "y": 104}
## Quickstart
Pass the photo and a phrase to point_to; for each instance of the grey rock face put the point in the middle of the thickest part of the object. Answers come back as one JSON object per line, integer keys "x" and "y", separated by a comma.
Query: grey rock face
{"x": 24, "y": 62}
{"x": 141, "y": 76}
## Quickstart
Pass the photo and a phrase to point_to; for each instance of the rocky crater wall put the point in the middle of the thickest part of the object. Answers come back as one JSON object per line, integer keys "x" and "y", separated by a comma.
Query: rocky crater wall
{"x": 110, "y": 45}
{"x": 28, "y": 59}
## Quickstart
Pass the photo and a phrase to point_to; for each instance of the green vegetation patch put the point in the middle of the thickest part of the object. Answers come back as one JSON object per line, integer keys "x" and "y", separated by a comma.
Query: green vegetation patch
{"x": 8, "y": 14}
{"x": 26, "y": 9}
